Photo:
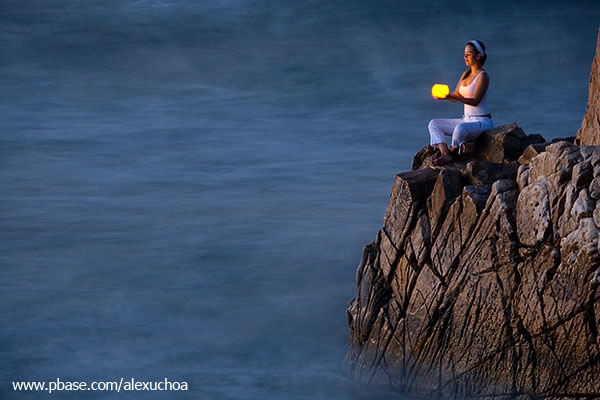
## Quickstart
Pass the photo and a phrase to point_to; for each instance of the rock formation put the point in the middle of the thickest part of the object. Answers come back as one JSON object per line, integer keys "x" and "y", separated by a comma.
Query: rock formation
{"x": 483, "y": 281}
{"x": 589, "y": 133}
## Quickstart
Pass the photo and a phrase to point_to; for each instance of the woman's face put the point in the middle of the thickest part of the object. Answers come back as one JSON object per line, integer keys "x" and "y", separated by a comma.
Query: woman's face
{"x": 471, "y": 55}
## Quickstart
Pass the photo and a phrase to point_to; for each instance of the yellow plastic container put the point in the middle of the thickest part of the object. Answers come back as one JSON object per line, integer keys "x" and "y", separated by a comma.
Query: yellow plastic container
{"x": 439, "y": 91}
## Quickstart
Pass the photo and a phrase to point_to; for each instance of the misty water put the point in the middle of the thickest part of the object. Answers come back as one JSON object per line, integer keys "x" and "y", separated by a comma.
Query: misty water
{"x": 187, "y": 186}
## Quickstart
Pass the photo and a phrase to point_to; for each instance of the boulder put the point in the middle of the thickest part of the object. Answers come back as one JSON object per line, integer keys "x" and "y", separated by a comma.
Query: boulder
{"x": 410, "y": 190}
{"x": 500, "y": 144}
{"x": 533, "y": 213}
{"x": 480, "y": 172}
{"x": 532, "y": 151}
{"x": 448, "y": 186}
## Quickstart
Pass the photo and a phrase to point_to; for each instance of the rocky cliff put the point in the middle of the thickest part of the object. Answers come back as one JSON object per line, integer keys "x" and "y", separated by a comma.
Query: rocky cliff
{"x": 483, "y": 281}
{"x": 588, "y": 134}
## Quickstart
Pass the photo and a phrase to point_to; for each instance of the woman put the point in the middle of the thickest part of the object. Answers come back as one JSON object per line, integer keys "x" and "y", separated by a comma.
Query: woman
{"x": 472, "y": 92}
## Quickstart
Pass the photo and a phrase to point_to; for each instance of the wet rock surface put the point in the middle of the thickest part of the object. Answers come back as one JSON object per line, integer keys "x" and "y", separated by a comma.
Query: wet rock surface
{"x": 483, "y": 281}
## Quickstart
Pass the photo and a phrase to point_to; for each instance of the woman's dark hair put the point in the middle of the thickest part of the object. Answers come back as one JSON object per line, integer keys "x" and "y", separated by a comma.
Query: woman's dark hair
{"x": 484, "y": 55}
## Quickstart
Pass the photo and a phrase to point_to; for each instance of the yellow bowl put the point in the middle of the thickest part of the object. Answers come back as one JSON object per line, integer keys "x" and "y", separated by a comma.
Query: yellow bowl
{"x": 439, "y": 91}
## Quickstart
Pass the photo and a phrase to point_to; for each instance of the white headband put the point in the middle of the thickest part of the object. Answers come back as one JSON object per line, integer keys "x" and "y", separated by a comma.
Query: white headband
{"x": 478, "y": 47}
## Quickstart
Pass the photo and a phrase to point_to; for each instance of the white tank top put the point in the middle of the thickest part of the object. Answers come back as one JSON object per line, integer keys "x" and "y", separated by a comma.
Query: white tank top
{"x": 467, "y": 91}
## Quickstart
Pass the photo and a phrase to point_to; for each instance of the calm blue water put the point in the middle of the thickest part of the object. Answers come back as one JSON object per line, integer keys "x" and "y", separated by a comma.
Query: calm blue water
{"x": 187, "y": 186}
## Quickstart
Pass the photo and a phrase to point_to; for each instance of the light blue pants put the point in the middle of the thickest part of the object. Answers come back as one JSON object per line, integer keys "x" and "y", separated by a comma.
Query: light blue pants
{"x": 462, "y": 130}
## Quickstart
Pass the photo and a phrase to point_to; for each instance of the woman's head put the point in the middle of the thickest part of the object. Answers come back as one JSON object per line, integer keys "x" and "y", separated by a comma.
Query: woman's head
{"x": 476, "y": 48}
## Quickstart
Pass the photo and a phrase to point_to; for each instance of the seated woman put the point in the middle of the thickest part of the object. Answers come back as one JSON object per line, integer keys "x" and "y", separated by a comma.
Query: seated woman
{"x": 472, "y": 92}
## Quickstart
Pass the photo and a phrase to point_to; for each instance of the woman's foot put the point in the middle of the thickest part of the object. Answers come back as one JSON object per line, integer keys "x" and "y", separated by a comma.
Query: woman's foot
{"x": 441, "y": 160}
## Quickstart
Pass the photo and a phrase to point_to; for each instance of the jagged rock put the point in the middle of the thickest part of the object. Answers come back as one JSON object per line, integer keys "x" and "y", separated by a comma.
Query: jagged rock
{"x": 559, "y": 158}
{"x": 409, "y": 190}
{"x": 502, "y": 185}
{"x": 590, "y": 153}
{"x": 589, "y": 133}
{"x": 500, "y": 144}
{"x": 420, "y": 241}
{"x": 448, "y": 186}
{"x": 581, "y": 245}
{"x": 596, "y": 215}
{"x": 583, "y": 206}
{"x": 582, "y": 174}
{"x": 531, "y": 151}
{"x": 594, "y": 188}
{"x": 533, "y": 213}
{"x": 522, "y": 176}
{"x": 480, "y": 172}
{"x": 449, "y": 241}
{"x": 595, "y": 157}
{"x": 422, "y": 159}
{"x": 566, "y": 223}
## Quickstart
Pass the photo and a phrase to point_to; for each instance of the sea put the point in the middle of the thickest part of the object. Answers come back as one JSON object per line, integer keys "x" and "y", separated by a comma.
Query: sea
{"x": 186, "y": 186}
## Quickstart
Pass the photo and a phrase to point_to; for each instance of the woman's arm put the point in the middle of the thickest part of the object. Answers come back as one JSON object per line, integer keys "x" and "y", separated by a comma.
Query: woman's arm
{"x": 452, "y": 96}
{"x": 482, "y": 84}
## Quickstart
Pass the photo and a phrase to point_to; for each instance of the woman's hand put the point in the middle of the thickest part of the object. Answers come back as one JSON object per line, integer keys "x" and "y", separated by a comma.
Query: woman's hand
{"x": 452, "y": 97}
{"x": 449, "y": 97}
